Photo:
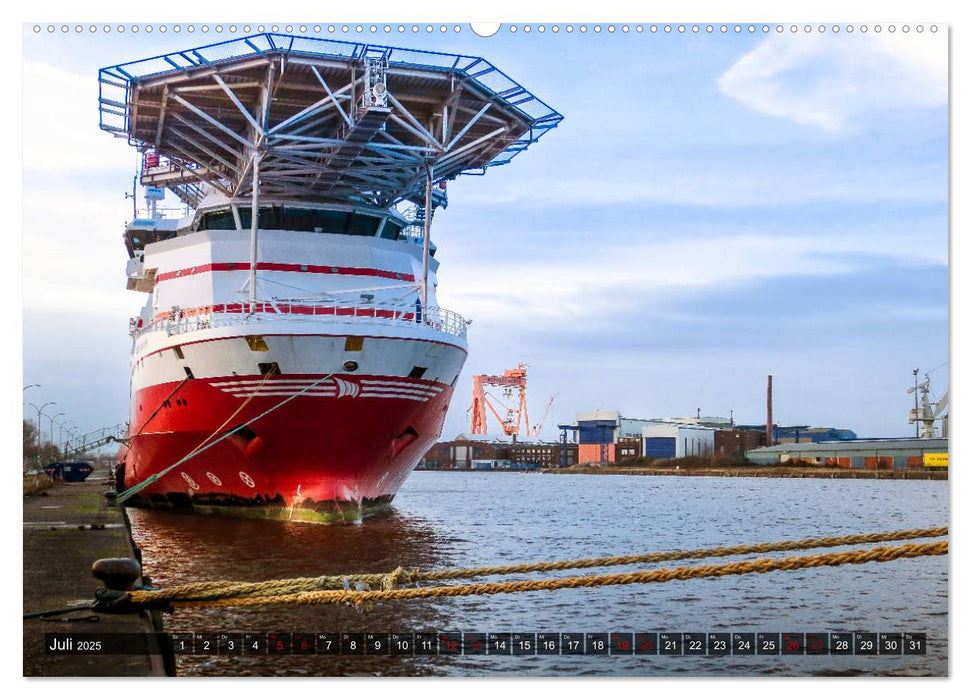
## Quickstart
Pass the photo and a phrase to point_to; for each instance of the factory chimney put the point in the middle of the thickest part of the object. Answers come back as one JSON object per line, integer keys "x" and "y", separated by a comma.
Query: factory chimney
{"x": 768, "y": 416}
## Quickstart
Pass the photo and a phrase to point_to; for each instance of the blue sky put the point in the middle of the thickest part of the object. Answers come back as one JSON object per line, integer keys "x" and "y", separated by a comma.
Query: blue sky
{"x": 712, "y": 209}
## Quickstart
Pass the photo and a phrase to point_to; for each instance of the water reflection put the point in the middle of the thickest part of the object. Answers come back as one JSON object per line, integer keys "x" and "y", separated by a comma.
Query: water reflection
{"x": 444, "y": 520}
{"x": 182, "y": 548}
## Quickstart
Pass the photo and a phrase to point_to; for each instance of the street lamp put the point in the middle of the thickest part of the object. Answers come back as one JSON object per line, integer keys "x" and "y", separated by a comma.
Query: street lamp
{"x": 40, "y": 412}
{"x": 51, "y": 419}
{"x": 29, "y": 386}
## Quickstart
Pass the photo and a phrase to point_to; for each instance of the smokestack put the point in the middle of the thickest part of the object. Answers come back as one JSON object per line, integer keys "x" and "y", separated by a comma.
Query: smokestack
{"x": 768, "y": 415}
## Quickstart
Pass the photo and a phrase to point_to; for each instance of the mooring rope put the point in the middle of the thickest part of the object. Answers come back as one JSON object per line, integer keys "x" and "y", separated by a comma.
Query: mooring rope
{"x": 357, "y": 598}
{"x": 125, "y": 495}
{"x": 215, "y": 590}
{"x": 159, "y": 408}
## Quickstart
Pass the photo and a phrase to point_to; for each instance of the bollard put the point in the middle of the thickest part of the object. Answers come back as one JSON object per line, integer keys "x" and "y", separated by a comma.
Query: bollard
{"x": 117, "y": 574}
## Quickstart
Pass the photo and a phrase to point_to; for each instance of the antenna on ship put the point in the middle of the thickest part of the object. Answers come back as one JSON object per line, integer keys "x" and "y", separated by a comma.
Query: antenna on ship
{"x": 133, "y": 195}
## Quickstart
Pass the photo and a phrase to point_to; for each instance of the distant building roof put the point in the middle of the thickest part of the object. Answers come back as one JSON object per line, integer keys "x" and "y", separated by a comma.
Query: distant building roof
{"x": 843, "y": 445}
{"x": 462, "y": 437}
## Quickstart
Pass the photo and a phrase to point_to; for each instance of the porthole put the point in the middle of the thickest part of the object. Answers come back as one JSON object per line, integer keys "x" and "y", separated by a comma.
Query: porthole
{"x": 350, "y": 366}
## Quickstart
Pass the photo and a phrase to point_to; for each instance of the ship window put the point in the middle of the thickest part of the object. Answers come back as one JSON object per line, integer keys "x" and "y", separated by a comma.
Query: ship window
{"x": 391, "y": 230}
{"x": 270, "y": 217}
{"x": 330, "y": 221}
{"x": 315, "y": 220}
{"x": 361, "y": 225}
{"x": 218, "y": 221}
{"x": 299, "y": 219}
{"x": 188, "y": 373}
{"x": 178, "y": 352}
{"x": 417, "y": 372}
{"x": 268, "y": 368}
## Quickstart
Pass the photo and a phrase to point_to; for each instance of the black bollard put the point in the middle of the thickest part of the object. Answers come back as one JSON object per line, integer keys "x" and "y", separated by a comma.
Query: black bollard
{"x": 117, "y": 574}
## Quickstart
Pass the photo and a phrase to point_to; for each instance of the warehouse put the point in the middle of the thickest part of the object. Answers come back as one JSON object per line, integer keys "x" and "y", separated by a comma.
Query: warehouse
{"x": 477, "y": 451}
{"x": 663, "y": 440}
{"x": 885, "y": 453}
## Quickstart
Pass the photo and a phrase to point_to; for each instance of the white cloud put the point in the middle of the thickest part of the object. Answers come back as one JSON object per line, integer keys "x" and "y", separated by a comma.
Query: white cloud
{"x": 832, "y": 81}
{"x": 60, "y": 128}
{"x": 73, "y": 255}
{"x": 728, "y": 184}
{"x": 591, "y": 283}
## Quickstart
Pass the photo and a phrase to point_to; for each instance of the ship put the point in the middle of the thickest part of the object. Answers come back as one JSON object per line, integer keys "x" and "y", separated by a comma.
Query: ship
{"x": 295, "y": 363}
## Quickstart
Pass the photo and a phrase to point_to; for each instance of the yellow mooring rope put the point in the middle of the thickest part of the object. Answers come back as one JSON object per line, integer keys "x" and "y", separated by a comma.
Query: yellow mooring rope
{"x": 290, "y": 591}
{"x": 358, "y": 598}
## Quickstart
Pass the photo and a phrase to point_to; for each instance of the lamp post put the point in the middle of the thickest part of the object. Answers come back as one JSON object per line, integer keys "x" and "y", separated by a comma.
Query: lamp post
{"x": 30, "y": 386}
{"x": 60, "y": 433}
{"x": 40, "y": 412}
{"x": 51, "y": 420}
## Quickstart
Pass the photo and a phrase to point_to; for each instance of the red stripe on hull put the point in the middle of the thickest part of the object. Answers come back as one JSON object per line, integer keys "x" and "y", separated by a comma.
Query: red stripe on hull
{"x": 285, "y": 267}
{"x": 333, "y": 445}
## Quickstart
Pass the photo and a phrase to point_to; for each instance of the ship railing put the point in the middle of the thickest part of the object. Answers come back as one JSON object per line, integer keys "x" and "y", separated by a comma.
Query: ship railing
{"x": 167, "y": 213}
{"x": 178, "y": 320}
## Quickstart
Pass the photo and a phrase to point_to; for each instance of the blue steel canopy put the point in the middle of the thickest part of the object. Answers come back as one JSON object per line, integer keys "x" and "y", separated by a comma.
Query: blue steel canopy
{"x": 328, "y": 120}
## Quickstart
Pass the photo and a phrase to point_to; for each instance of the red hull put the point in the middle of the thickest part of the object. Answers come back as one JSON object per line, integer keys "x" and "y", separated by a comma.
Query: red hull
{"x": 346, "y": 444}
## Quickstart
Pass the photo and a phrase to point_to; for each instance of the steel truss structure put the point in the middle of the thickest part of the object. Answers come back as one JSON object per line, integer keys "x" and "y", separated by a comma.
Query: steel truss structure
{"x": 316, "y": 119}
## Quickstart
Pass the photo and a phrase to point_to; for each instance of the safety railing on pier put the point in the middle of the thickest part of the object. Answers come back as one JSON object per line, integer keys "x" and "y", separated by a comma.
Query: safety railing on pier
{"x": 180, "y": 321}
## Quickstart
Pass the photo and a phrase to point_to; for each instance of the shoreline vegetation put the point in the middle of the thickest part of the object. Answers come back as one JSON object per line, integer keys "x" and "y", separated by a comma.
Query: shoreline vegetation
{"x": 776, "y": 471}
{"x": 728, "y": 466}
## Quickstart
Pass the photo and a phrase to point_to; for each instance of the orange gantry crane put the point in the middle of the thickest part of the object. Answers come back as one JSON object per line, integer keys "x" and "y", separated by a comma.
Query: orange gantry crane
{"x": 512, "y": 381}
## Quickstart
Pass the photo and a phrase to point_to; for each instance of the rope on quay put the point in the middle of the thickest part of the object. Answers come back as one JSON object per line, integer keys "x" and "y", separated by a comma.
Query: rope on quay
{"x": 358, "y": 598}
{"x": 218, "y": 590}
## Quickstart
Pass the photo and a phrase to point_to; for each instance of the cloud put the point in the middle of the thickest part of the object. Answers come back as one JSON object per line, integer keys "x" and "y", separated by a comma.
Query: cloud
{"x": 832, "y": 82}
{"x": 73, "y": 255}
{"x": 60, "y": 132}
{"x": 587, "y": 285}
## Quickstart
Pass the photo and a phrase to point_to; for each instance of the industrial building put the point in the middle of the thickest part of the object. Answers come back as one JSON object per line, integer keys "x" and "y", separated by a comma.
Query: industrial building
{"x": 885, "y": 453}
{"x": 460, "y": 452}
{"x": 663, "y": 440}
{"x": 782, "y": 434}
{"x": 480, "y": 451}
{"x": 607, "y": 436}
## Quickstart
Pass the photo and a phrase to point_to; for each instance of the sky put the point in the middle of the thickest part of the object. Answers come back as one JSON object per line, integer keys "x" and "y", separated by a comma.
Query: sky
{"x": 713, "y": 208}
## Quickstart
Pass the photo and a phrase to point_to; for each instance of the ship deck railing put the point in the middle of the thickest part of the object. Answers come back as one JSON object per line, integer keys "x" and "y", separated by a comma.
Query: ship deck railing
{"x": 178, "y": 320}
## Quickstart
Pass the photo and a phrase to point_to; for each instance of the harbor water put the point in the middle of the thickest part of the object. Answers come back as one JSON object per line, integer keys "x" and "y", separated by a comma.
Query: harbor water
{"x": 459, "y": 519}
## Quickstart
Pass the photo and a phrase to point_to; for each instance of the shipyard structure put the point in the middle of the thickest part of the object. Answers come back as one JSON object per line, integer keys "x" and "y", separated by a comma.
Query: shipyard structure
{"x": 607, "y": 437}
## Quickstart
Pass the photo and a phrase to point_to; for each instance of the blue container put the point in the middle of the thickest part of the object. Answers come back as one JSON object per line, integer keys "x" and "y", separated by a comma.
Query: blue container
{"x": 68, "y": 471}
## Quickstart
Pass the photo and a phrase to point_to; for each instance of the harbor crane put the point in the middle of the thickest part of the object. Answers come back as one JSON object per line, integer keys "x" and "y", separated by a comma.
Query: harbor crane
{"x": 512, "y": 381}
{"x": 538, "y": 428}
{"x": 926, "y": 412}
{"x": 513, "y": 384}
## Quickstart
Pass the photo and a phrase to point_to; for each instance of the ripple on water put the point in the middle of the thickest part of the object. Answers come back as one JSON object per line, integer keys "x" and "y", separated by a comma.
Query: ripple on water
{"x": 443, "y": 520}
